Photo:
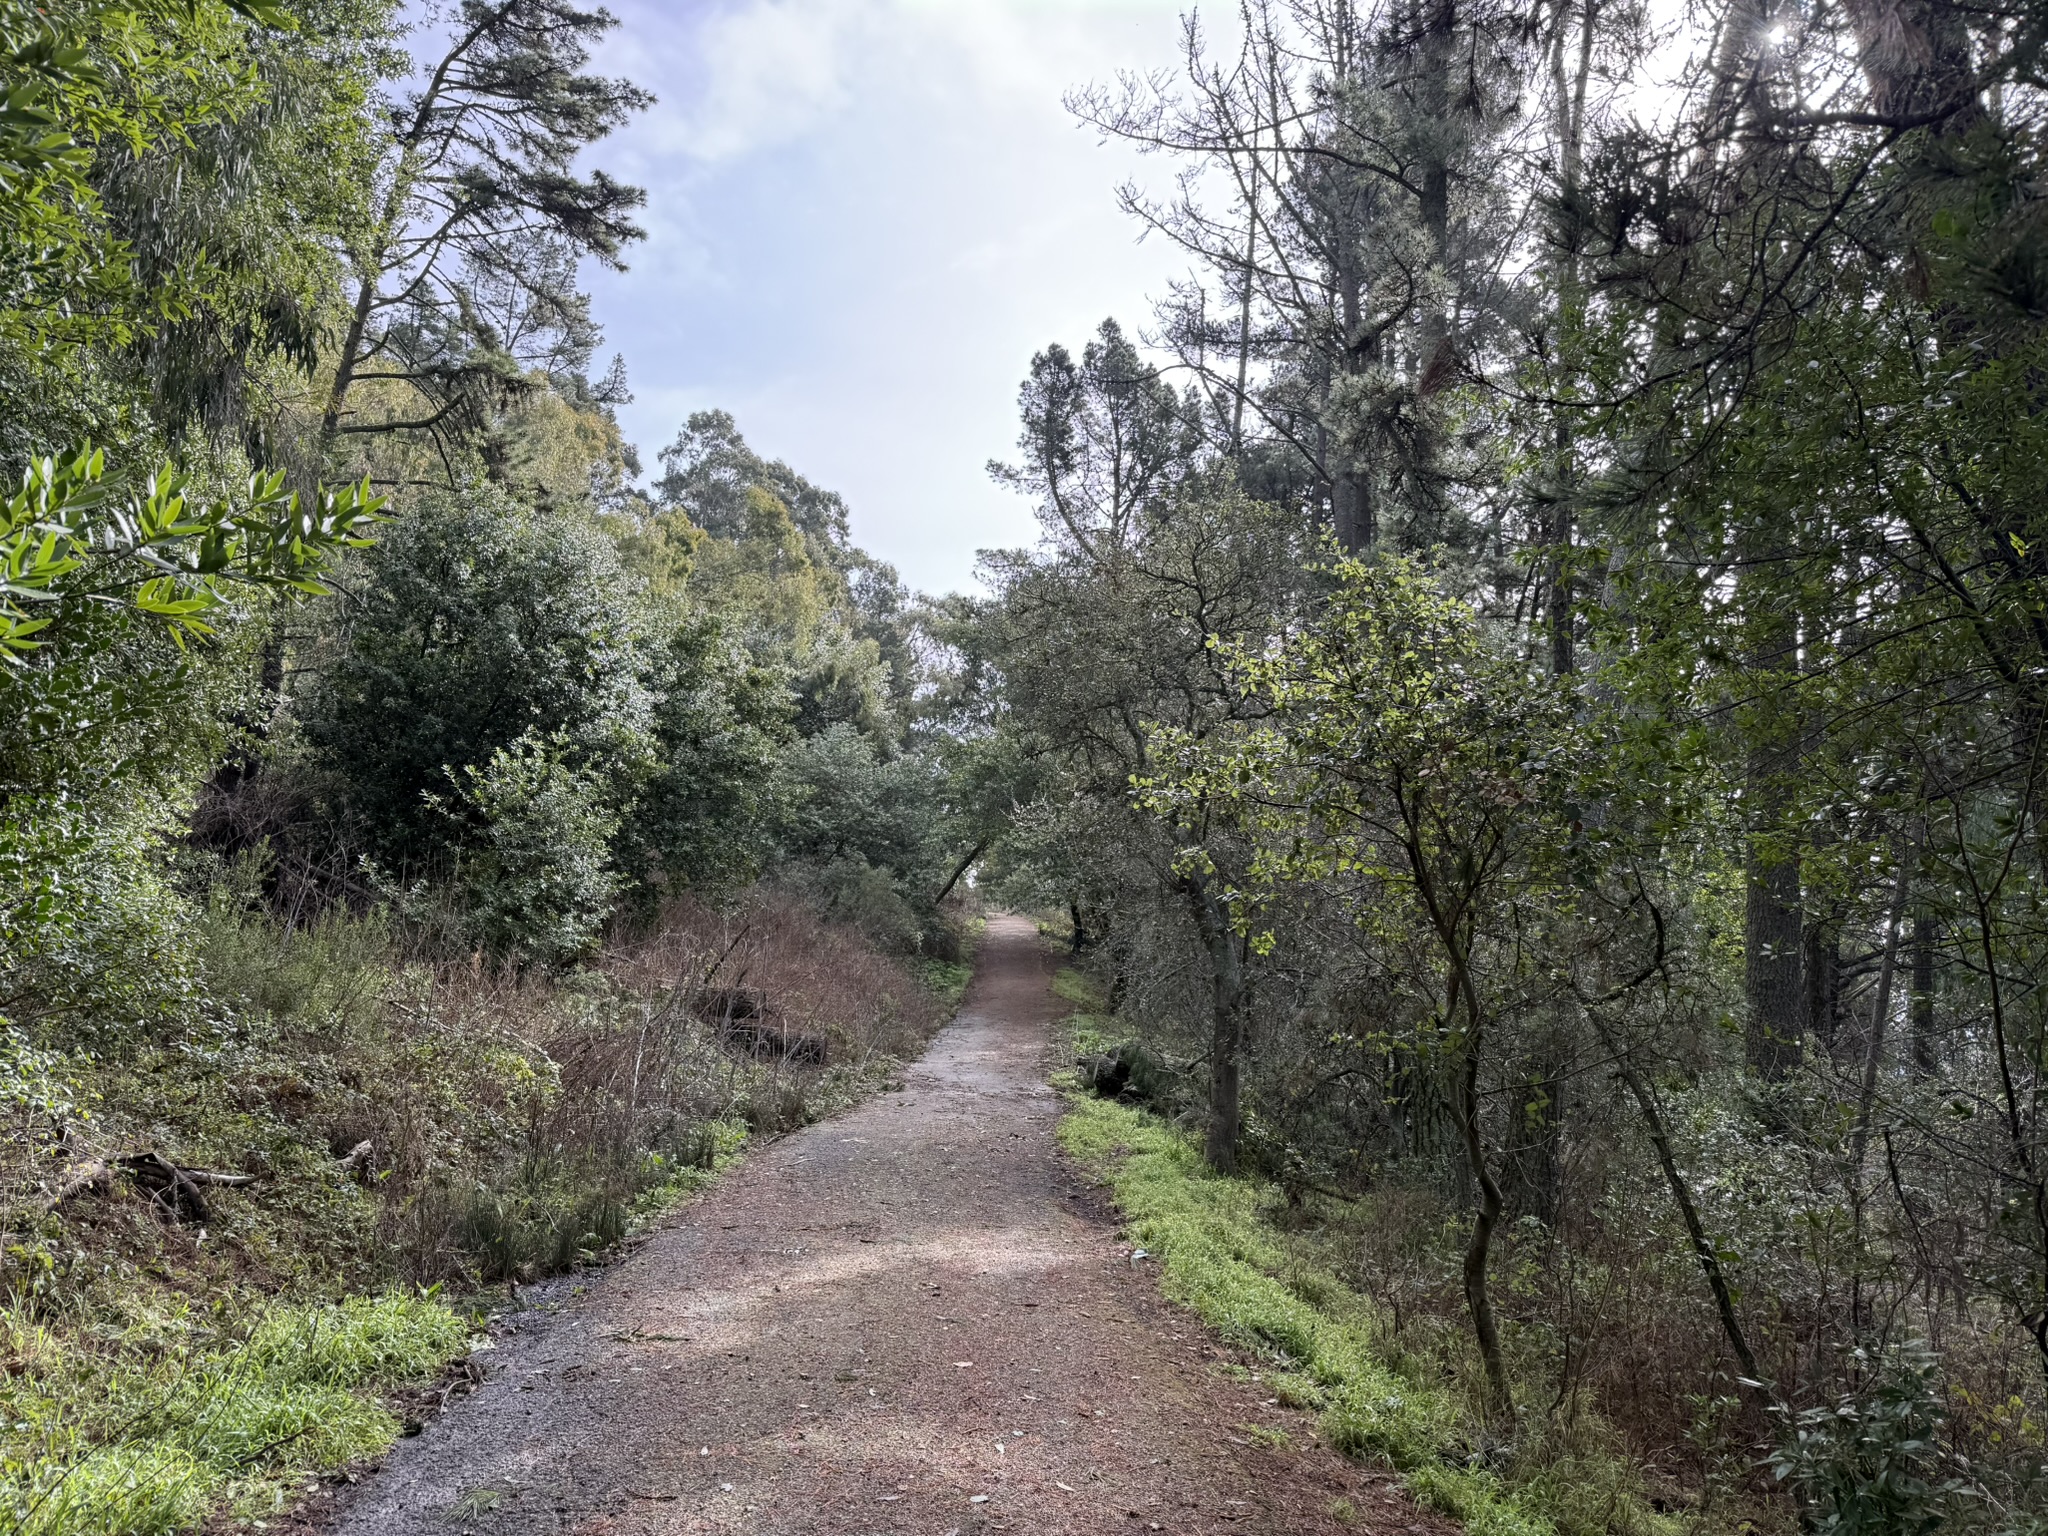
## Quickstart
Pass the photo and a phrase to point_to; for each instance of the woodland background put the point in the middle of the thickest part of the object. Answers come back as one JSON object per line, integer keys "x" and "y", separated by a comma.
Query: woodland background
{"x": 1528, "y": 712}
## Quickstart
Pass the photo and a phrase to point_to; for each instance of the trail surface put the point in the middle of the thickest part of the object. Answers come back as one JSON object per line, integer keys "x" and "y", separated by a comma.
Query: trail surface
{"x": 912, "y": 1319}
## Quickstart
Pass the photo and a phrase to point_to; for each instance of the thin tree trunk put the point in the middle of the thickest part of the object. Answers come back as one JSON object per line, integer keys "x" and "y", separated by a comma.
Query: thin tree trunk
{"x": 1772, "y": 928}
{"x": 1873, "y": 1045}
{"x": 345, "y": 366}
{"x": 1569, "y": 97}
{"x": 960, "y": 869}
{"x": 1822, "y": 977}
{"x": 1244, "y": 307}
{"x": 1485, "y": 1218}
{"x": 1226, "y": 1039}
{"x": 1695, "y": 1230}
{"x": 1921, "y": 1006}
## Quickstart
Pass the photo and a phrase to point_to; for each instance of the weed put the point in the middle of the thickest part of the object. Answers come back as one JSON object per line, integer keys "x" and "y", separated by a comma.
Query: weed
{"x": 476, "y": 1501}
{"x": 146, "y": 1438}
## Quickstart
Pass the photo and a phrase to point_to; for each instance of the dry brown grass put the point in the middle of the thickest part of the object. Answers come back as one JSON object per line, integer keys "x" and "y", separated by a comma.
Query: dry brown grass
{"x": 519, "y": 1121}
{"x": 824, "y": 977}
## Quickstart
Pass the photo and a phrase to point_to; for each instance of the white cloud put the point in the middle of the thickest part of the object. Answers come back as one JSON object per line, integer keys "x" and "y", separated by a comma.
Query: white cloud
{"x": 865, "y": 215}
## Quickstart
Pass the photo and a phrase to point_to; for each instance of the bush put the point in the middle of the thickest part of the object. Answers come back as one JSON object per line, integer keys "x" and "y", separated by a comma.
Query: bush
{"x": 859, "y": 828}
{"x": 539, "y": 882}
{"x": 476, "y": 623}
{"x": 1870, "y": 1463}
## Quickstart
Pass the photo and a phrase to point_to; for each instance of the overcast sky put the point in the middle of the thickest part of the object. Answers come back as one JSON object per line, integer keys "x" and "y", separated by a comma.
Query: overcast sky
{"x": 863, "y": 218}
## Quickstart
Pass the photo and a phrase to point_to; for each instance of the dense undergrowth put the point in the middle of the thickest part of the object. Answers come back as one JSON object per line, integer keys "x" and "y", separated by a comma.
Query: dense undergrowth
{"x": 1350, "y": 1302}
{"x": 420, "y": 1135}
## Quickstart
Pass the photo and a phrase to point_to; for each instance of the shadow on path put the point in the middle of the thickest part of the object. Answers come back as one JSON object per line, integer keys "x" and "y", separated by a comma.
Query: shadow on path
{"x": 911, "y": 1319}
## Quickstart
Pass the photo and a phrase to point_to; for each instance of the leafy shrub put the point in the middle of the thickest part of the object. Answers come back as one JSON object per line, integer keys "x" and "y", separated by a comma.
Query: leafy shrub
{"x": 1870, "y": 1463}
{"x": 475, "y": 622}
{"x": 540, "y": 883}
{"x": 860, "y": 827}
{"x": 91, "y": 930}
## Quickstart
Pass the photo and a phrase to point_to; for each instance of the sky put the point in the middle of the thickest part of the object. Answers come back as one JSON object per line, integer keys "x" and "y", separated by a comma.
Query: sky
{"x": 863, "y": 218}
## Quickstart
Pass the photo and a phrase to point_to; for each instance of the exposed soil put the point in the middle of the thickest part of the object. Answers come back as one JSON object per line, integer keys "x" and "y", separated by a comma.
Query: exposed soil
{"x": 912, "y": 1319}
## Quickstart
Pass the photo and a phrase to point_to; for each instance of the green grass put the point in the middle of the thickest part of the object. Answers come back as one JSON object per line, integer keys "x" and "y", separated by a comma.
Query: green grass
{"x": 151, "y": 1432}
{"x": 945, "y": 979}
{"x": 1078, "y": 988}
{"x": 1258, "y": 1289}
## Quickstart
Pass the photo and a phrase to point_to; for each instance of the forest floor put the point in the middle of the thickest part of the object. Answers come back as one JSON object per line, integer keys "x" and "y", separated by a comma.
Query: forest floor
{"x": 916, "y": 1318}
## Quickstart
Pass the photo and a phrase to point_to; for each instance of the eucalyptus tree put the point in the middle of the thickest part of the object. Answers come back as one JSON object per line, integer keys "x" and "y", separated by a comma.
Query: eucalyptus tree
{"x": 160, "y": 242}
{"x": 708, "y": 470}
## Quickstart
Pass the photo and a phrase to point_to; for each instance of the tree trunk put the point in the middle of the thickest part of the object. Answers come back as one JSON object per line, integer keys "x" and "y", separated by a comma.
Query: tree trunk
{"x": 1568, "y": 87}
{"x": 1823, "y": 978}
{"x": 1773, "y": 935}
{"x": 1921, "y": 1014}
{"x": 1916, "y": 56}
{"x": 1485, "y": 1218}
{"x": 1771, "y": 966}
{"x": 1351, "y": 510}
{"x": 1880, "y": 1015}
{"x": 1704, "y": 1252}
{"x": 1226, "y": 1038}
{"x": 1560, "y": 620}
{"x": 345, "y": 365}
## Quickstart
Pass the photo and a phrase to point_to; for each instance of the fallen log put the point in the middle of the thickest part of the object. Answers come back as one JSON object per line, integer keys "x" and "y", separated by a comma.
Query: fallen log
{"x": 76, "y": 1180}
{"x": 175, "y": 1189}
{"x": 170, "y": 1188}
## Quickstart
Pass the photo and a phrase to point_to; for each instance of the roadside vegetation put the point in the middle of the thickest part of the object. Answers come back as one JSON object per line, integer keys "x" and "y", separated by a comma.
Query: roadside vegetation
{"x": 165, "y": 1363}
{"x": 1527, "y": 711}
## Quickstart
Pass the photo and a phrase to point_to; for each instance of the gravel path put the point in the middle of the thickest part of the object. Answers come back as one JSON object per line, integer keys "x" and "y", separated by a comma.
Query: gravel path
{"x": 912, "y": 1319}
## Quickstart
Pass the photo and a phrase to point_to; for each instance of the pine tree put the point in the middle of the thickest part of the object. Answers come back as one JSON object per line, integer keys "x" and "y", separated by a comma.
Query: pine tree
{"x": 465, "y": 278}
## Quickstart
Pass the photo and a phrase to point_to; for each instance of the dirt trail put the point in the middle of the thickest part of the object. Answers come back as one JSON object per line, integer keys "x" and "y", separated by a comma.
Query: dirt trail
{"x": 912, "y": 1319}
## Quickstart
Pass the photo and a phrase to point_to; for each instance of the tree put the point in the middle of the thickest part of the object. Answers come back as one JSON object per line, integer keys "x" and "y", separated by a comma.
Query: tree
{"x": 154, "y": 244}
{"x": 476, "y": 623}
{"x": 707, "y": 815}
{"x": 1150, "y": 559}
{"x": 464, "y": 272}
{"x": 1104, "y": 440}
{"x": 708, "y": 473}
{"x": 1345, "y": 276}
{"x": 1417, "y": 770}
